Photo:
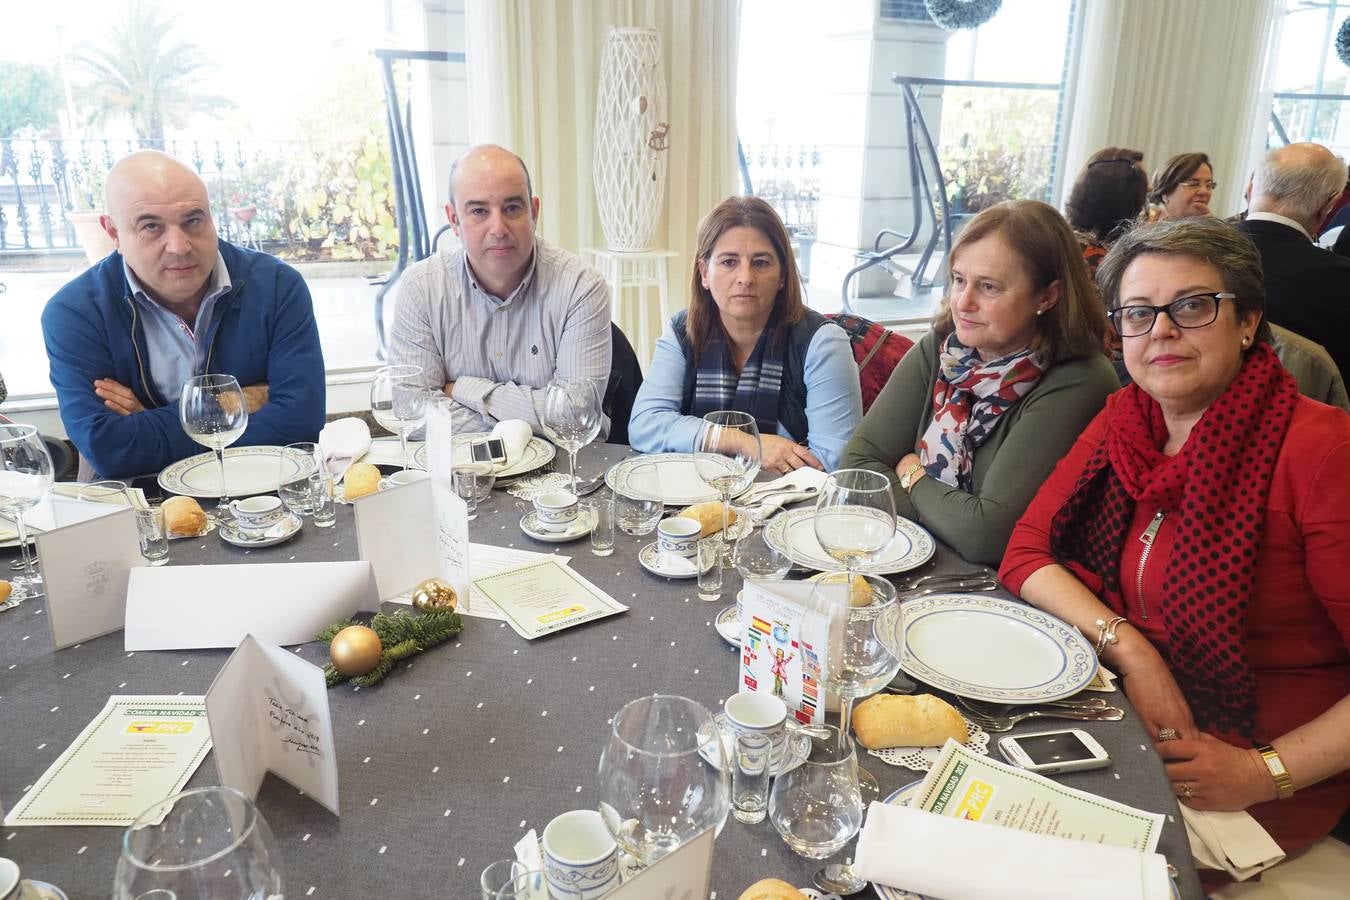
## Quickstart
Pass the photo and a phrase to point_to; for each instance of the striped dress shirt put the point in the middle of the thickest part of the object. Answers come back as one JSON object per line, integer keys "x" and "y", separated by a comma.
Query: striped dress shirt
{"x": 500, "y": 354}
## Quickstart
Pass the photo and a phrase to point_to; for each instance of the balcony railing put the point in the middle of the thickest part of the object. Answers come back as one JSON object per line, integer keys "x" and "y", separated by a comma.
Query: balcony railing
{"x": 301, "y": 201}
{"x": 787, "y": 177}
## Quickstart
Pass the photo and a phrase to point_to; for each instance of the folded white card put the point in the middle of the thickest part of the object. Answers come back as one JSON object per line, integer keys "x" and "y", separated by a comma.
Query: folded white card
{"x": 269, "y": 712}
{"x": 394, "y": 533}
{"x": 186, "y": 607}
{"x": 86, "y": 574}
{"x": 785, "y": 644}
{"x": 683, "y": 874}
{"x": 452, "y": 512}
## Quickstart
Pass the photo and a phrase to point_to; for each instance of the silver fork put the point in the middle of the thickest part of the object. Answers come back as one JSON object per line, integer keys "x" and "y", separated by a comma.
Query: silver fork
{"x": 984, "y": 707}
{"x": 1005, "y": 723}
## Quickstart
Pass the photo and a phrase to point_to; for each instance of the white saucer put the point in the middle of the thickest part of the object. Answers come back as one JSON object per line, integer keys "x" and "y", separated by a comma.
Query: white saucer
{"x": 580, "y": 527}
{"x": 284, "y": 530}
{"x": 785, "y": 757}
{"x": 650, "y": 558}
{"x": 728, "y": 625}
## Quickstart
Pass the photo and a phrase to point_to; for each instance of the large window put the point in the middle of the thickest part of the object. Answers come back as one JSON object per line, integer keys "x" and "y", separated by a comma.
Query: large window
{"x": 1309, "y": 78}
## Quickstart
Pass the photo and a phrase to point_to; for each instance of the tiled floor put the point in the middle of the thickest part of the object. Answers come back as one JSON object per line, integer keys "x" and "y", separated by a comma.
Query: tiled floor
{"x": 344, "y": 307}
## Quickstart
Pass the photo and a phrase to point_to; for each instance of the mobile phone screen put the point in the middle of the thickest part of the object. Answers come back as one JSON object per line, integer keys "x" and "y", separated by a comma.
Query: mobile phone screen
{"x": 492, "y": 450}
{"x": 1050, "y": 749}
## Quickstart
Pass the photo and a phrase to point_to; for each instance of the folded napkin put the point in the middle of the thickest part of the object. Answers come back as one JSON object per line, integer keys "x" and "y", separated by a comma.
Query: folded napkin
{"x": 677, "y": 565}
{"x": 1232, "y": 841}
{"x": 343, "y": 442}
{"x": 954, "y": 859}
{"x": 807, "y": 482}
{"x": 515, "y": 435}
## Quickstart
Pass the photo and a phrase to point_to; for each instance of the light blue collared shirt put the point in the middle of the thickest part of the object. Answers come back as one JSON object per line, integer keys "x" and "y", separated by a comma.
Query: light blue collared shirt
{"x": 176, "y": 352}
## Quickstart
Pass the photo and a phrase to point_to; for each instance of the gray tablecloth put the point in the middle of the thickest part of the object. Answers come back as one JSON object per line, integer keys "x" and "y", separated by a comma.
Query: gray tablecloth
{"x": 444, "y": 765}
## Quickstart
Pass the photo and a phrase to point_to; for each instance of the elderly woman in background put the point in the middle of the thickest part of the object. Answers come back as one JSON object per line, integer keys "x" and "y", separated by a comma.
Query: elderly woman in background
{"x": 978, "y": 413}
{"x": 747, "y": 342}
{"x": 1107, "y": 197}
{"x": 1198, "y": 529}
{"x": 1182, "y": 188}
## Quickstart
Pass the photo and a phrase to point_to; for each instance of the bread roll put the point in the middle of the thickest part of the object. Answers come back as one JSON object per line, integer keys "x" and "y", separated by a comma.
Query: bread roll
{"x": 709, "y": 515}
{"x": 183, "y": 516}
{"x": 772, "y": 889}
{"x": 361, "y": 479}
{"x": 890, "y": 720}
{"x": 860, "y": 593}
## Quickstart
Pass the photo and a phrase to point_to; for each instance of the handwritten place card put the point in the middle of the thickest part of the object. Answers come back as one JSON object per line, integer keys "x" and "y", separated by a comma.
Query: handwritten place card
{"x": 136, "y": 752}
{"x": 785, "y": 644}
{"x": 683, "y": 874}
{"x": 86, "y": 576}
{"x": 269, "y": 712}
{"x": 187, "y": 607}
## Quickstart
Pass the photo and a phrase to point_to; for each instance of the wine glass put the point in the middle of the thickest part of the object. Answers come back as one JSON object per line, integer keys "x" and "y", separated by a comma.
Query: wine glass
{"x": 663, "y": 778}
{"x": 214, "y": 414}
{"x": 572, "y": 417}
{"x": 208, "y": 842}
{"x": 106, "y": 492}
{"x": 398, "y": 400}
{"x": 755, "y": 558}
{"x": 727, "y": 455}
{"x": 25, "y": 478}
{"x": 854, "y": 522}
{"x": 816, "y": 807}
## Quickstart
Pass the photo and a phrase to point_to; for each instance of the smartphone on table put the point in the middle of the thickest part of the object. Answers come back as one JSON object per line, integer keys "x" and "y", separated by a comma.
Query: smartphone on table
{"x": 492, "y": 450}
{"x": 1054, "y": 752}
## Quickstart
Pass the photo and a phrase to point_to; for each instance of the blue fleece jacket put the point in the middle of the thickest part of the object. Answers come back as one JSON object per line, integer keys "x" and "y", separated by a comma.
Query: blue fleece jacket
{"x": 262, "y": 330}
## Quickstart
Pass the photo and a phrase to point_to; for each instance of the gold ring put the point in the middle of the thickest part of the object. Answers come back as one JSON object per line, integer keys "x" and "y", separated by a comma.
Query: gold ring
{"x": 1168, "y": 734}
{"x": 1187, "y": 792}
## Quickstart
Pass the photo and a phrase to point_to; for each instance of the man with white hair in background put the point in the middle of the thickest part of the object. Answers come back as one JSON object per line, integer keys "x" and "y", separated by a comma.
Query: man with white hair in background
{"x": 1307, "y": 288}
{"x": 172, "y": 302}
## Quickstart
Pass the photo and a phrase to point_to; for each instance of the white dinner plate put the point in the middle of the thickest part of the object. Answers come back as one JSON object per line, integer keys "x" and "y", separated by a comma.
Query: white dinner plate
{"x": 793, "y": 533}
{"x": 989, "y": 648}
{"x": 248, "y": 471}
{"x": 538, "y": 452}
{"x": 676, "y": 481}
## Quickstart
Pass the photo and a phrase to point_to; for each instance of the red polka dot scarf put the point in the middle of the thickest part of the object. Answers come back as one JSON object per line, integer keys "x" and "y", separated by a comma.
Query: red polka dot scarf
{"x": 1218, "y": 484}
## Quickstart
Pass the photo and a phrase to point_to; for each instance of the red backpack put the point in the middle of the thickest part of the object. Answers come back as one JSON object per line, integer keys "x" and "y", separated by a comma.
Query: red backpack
{"x": 877, "y": 350}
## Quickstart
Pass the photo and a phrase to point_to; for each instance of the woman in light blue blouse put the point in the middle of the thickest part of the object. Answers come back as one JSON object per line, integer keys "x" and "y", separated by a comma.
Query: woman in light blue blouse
{"x": 747, "y": 342}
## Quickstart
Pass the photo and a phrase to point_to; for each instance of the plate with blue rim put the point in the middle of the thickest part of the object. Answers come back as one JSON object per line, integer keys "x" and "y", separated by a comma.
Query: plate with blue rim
{"x": 990, "y": 648}
{"x": 537, "y": 453}
{"x": 793, "y": 533}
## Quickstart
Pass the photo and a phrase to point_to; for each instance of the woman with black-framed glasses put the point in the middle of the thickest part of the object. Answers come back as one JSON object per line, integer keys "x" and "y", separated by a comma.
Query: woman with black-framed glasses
{"x": 1198, "y": 530}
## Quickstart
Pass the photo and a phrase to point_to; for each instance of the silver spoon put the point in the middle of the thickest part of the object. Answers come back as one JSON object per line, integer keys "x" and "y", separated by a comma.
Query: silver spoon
{"x": 839, "y": 878}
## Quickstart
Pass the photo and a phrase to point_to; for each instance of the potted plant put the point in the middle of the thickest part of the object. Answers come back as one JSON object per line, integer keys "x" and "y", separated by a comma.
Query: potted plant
{"x": 84, "y": 209}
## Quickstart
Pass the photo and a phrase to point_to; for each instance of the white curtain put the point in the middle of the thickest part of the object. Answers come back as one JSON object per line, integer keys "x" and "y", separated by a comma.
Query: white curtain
{"x": 533, "y": 69}
{"x": 1169, "y": 77}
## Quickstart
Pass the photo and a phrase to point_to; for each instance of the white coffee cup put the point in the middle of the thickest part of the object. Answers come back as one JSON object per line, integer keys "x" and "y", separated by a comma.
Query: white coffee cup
{"x": 679, "y": 536}
{"x": 406, "y": 476}
{"x": 257, "y": 513}
{"x": 758, "y": 712}
{"x": 556, "y": 510}
{"x": 580, "y": 857}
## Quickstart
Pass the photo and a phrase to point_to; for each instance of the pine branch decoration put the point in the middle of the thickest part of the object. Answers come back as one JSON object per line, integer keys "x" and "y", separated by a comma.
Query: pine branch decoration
{"x": 402, "y": 635}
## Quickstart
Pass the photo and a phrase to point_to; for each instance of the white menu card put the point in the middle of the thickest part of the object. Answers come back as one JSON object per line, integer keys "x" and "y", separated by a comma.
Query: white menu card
{"x": 86, "y": 571}
{"x": 269, "y": 712}
{"x": 683, "y": 874}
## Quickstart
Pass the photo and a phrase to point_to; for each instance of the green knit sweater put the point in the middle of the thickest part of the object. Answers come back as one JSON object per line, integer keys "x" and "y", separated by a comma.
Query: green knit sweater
{"x": 1008, "y": 468}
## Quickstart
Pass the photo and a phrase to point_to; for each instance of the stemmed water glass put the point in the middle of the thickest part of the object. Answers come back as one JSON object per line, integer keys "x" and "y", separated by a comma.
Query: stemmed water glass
{"x": 398, "y": 400}
{"x": 727, "y": 456}
{"x": 25, "y": 478}
{"x": 663, "y": 778}
{"x": 572, "y": 416}
{"x": 214, "y": 414}
{"x": 854, "y": 522}
{"x": 208, "y": 842}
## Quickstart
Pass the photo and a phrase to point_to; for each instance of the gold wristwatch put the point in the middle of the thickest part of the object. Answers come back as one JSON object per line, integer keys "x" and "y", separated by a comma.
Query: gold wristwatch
{"x": 1284, "y": 782}
{"x": 907, "y": 479}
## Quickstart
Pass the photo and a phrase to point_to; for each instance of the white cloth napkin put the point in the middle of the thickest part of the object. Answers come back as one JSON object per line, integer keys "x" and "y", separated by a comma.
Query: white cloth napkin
{"x": 1232, "y": 841}
{"x": 343, "y": 442}
{"x": 676, "y": 565}
{"x": 807, "y": 482}
{"x": 939, "y": 856}
{"x": 515, "y": 435}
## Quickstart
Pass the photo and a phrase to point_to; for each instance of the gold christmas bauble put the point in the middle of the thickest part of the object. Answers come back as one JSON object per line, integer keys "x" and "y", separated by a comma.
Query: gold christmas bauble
{"x": 434, "y": 595}
{"x": 355, "y": 650}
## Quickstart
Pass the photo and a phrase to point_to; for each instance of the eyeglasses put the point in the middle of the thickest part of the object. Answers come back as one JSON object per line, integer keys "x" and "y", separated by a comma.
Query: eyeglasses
{"x": 1195, "y": 311}
{"x": 1195, "y": 183}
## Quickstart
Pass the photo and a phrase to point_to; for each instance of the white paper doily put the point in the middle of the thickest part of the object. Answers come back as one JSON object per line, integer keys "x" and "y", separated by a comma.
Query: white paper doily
{"x": 921, "y": 759}
{"x": 817, "y": 895}
{"x": 532, "y": 486}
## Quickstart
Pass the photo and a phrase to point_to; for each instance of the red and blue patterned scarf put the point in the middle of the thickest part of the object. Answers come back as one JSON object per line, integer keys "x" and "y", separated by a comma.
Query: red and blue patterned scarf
{"x": 969, "y": 395}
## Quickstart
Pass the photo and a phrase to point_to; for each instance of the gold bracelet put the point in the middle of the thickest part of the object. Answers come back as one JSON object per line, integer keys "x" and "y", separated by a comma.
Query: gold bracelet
{"x": 1106, "y": 634}
{"x": 1284, "y": 782}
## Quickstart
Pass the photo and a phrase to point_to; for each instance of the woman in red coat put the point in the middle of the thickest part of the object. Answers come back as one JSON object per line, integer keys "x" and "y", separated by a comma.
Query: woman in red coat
{"x": 1200, "y": 529}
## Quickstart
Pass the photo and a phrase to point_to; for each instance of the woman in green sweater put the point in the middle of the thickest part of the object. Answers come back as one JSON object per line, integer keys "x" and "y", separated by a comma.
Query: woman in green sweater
{"x": 977, "y": 414}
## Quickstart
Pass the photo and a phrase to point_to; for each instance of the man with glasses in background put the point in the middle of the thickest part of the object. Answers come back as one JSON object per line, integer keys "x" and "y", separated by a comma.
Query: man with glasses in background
{"x": 1307, "y": 287}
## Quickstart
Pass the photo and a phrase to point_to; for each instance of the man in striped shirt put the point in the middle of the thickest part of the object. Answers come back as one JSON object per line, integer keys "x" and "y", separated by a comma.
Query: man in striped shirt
{"x": 492, "y": 322}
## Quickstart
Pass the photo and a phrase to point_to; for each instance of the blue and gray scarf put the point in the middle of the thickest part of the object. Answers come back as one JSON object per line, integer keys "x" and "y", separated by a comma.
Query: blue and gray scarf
{"x": 755, "y": 390}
